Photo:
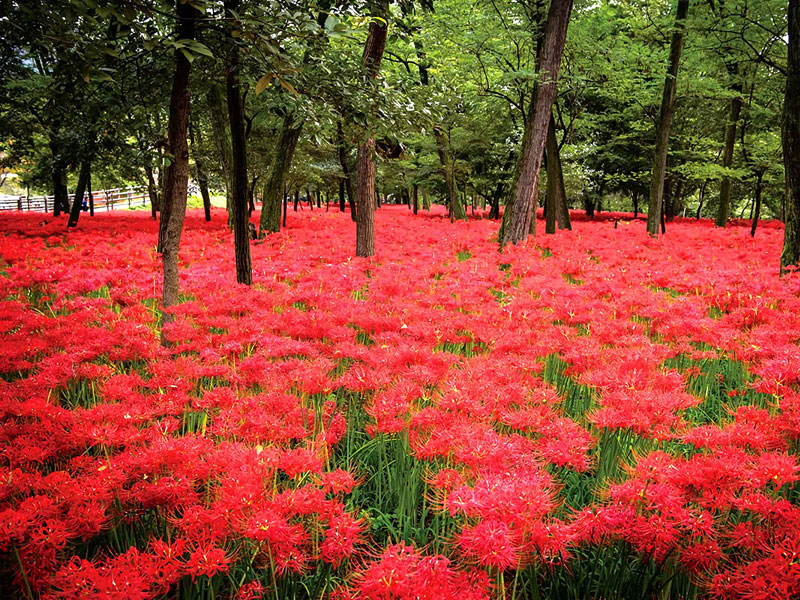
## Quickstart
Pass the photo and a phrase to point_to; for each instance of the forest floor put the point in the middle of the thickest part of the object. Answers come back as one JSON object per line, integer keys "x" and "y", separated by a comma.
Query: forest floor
{"x": 593, "y": 414}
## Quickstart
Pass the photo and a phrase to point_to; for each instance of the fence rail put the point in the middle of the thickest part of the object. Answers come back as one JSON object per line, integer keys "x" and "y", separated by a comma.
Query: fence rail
{"x": 104, "y": 200}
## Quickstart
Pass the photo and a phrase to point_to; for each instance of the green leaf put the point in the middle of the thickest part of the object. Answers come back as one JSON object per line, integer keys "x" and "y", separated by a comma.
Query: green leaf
{"x": 189, "y": 56}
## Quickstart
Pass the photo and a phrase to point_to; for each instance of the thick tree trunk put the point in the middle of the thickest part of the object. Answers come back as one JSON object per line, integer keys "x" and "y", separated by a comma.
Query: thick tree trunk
{"x": 556, "y": 191}
{"x": 790, "y": 134}
{"x": 371, "y": 63}
{"x": 655, "y": 207}
{"x": 365, "y": 214}
{"x": 281, "y": 163}
{"x": 241, "y": 231}
{"x": 60, "y": 193}
{"x": 80, "y": 190}
{"x": 520, "y": 214}
{"x": 723, "y": 210}
{"x": 177, "y": 176}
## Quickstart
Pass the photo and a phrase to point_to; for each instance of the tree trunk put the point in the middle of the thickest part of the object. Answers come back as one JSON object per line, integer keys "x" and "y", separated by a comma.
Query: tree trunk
{"x": 757, "y": 203}
{"x": 556, "y": 174}
{"x": 341, "y": 151}
{"x": 371, "y": 63}
{"x": 285, "y": 206}
{"x": 520, "y": 214}
{"x": 790, "y": 134}
{"x": 80, "y": 190}
{"x": 202, "y": 178}
{"x": 216, "y": 105}
{"x": 701, "y": 196}
{"x": 341, "y": 195}
{"x": 655, "y": 207}
{"x": 635, "y": 199}
{"x": 152, "y": 192}
{"x": 415, "y": 198}
{"x": 446, "y": 159}
{"x": 426, "y": 201}
{"x": 91, "y": 196}
{"x": 365, "y": 214}
{"x": 281, "y": 163}
{"x": 177, "y": 176}
{"x": 60, "y": 193}
{"x": 241, "y": 231}
{"x": 723, "y": 211}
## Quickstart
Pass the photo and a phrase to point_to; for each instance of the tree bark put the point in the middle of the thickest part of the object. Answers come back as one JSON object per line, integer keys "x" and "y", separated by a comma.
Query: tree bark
{"x": 371, "y": 62}
{"x": 152, "y": 192}
{"x": 723, "y": 210}
{"x": 241, "y": 233}
{"x": 281, "y": 162}
{"x": 216, "y": 105}
{"x": 177, "y": 176}
{"x": 757, "y": 203}
{"x": 60, "y": 193}
{"x": 365, "y": 214}
{"x": 341, "y": 152}
{"x": 655, "y": 207}
{"x": 520, "y": 214}
{"x": 790, "y": 135}
{"x": 80, "y": 190}
{"x": 202, "y": 178}
{"x": 556, "y": 197}
{"x": 415, "y": 198}
{"x": 447, "y": 161}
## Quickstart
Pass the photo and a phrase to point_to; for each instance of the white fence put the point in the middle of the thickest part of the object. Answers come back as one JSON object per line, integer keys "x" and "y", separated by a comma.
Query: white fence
{"x": 104, "y": 200}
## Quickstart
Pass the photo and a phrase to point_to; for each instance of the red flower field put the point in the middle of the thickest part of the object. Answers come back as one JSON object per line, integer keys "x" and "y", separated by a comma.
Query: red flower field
{"x": 597, "y": 414}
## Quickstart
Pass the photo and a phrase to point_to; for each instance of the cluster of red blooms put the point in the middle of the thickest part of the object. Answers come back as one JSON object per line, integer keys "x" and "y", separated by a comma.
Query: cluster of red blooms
{"x": 222, "y": 447}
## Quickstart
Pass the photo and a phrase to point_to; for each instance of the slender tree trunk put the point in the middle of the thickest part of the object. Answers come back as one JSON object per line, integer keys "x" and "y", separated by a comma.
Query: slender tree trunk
{"x": 757, "y": 203}
{"x": 296, "y": 199}
{"x": 655, "y": 208}
{"x": 426, "y": 201}
{"x": 91, "y": 196}
{"x": 80, "y": 190}
{"x": 241, "y": 231}
{"x": 341, "y": 195}
{"x": 790, "y": 134}
{"x": 177, "y": 177}
{"x": 341, "y": 151}
{"x": 281, "y": 163}
{"x": 520, "y": 213}
{"x": 701, "y": 196}
{"x": 285, "y": 206}
{"x": 202, "y": 178}
{"x": 415, "y": 198}
{"x": 218, "y": 111}
{"x": 723, "y": 211}
{"x": 371, "y": 62}
{"x": 454, "y": 208}
{"x": 635, "y": 198}
{"x": 152, "y": 192}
